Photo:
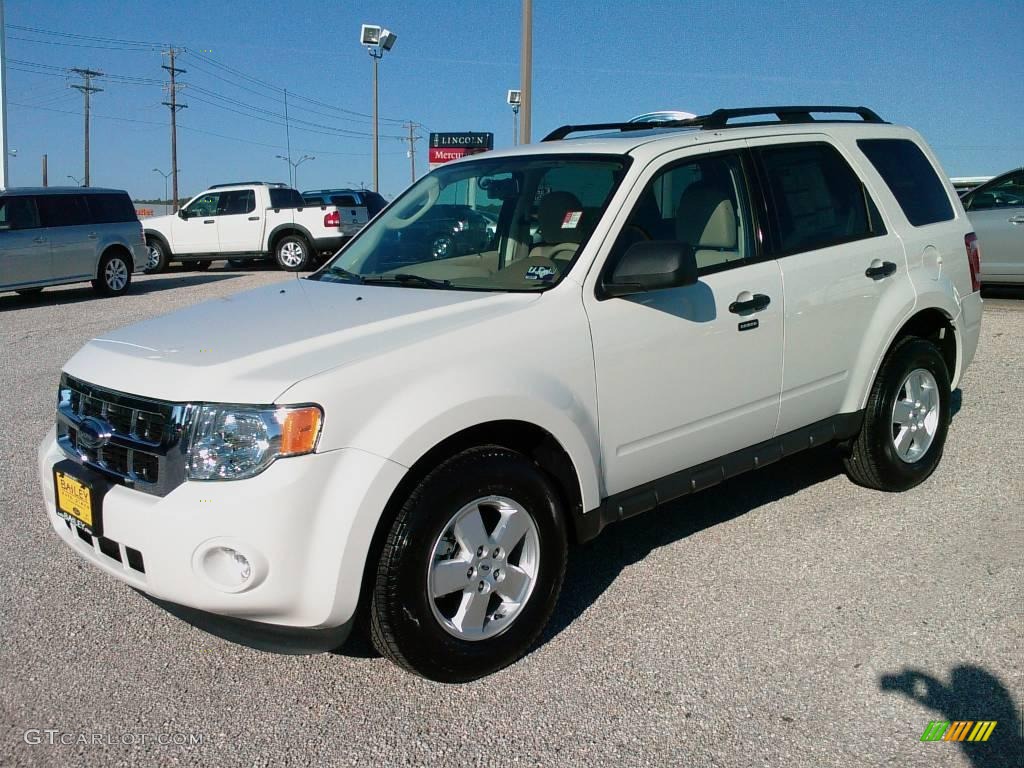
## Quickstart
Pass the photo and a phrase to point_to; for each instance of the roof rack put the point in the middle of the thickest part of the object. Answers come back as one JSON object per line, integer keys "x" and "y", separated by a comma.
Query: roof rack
{"x": 249, "y": 184}
{"x": 720, "y": 119}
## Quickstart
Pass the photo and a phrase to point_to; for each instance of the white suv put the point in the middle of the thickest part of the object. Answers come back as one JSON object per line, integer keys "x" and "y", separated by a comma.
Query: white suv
{"x": 414, "y": 441}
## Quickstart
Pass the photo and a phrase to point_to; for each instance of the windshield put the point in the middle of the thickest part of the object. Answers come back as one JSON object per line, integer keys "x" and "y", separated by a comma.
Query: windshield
{"x": 502, "y": 224}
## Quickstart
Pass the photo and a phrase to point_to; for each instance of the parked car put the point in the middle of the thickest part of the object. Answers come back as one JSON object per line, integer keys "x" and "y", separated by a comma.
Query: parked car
{"x": 60, "y": 235}
{"x": 996, "y": 209}
{"x": 247, "y": 221}
{"x": 373, "y": 202}
{"x": 442, "y": 232}
{"x": 414, "y": 448}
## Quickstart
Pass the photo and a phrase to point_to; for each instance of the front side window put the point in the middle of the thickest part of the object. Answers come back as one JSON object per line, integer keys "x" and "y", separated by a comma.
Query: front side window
{"x": 204, "y": 205}
{"x": 18, "y": 213}
{"x": 63, "y": 210}
{"x": 503, "y": 224}
{"x": 701, "y": 202}
{"x": 816, "y": 198}
{"x": 912, "y": 179}
{"x": 1002, "y": 193}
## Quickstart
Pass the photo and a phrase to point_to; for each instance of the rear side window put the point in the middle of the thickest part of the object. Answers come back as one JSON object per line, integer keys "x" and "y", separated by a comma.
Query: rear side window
{"x": 816, "y": 197}
{"x": 18, "y": 213}
{"x": 285, "y": 198}
{"x": 111, "y": 208}
{"x": 912, "y": 179}
{"x": 63, "y": 210}
{"x": 236, "y": 201}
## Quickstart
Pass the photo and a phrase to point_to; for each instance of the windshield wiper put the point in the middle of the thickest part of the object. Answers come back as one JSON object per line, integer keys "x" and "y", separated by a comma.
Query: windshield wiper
{"x": 344, "y": 274}
{"x": 406, "y": 278}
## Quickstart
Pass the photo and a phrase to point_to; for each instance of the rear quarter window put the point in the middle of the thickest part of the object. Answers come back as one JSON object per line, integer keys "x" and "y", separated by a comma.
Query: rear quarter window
{"x": 63, "y": 210}
{"x": 911, "y": 178}
{"x": 286, "y": 198}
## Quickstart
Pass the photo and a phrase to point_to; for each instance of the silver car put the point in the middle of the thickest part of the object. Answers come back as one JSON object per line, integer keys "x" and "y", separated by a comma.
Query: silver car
{"x": 58, "y": 235}
{"x": 996, "y": 211}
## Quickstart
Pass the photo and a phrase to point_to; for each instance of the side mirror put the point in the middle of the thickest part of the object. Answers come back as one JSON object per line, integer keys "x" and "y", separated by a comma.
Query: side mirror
{"x": 182, "y": 214}
{"x": 652, "y": 265}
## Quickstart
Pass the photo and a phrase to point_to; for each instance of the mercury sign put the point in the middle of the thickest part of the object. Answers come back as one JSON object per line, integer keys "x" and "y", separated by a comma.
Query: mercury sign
{"x": 445, "y": 147}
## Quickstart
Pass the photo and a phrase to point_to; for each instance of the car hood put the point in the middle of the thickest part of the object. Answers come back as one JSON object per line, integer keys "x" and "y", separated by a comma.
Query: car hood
{"x": 251, "y": 347}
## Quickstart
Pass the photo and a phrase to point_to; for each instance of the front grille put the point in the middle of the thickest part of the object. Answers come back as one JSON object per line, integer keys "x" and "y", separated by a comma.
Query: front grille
{"x": 145, "y": 447}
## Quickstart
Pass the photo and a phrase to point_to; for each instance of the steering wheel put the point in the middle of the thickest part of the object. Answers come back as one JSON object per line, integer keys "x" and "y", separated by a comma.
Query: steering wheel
{"x": 430, "y": 188}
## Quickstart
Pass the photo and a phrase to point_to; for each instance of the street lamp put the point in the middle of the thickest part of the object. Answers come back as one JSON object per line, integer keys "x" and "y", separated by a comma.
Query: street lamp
{"x": 515, "y": 98}
{"x": 293, "y": 168}
{"x": 78, "y": 182}
{"x": 166, "y": 176}
{"x": 377, "y": 41}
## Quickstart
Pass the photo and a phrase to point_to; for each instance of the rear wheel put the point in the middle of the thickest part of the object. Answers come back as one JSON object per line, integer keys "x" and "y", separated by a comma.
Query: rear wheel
{"x": 905, "y": 423}
{"x": 292, "y": 253}
{"x": 471, "y": 568}
{"x": 114, "y": 275}
{"x": 157, "y": 256}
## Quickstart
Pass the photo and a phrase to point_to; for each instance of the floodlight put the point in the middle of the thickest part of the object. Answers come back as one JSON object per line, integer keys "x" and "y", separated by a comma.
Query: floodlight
{"x": 370, "y": 34}
{"x": 387, "y": 39}
{"x": 515, "y": 97}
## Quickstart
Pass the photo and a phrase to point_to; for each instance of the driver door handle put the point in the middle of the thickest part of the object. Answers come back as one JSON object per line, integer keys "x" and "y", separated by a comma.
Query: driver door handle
{"x": 254, "y": 218}
{"x": 880, "y": 269}
{"x": 208, "y": 221}
{"x": 1016, "y": 219}
{"x": 755, "y": 303}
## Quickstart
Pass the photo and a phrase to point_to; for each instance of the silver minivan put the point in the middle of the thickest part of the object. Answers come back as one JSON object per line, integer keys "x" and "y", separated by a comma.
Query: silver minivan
{"x": 59, "y": 235}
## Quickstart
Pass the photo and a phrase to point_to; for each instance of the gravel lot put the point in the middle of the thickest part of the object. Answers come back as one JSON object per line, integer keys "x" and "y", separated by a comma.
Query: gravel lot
{"x": 785, "y": 619}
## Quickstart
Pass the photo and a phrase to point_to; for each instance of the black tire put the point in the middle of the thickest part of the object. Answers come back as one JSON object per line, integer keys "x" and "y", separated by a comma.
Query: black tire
{"x": 158, "y": 256}
{"x": 201, "y": 266}
{"x": 871, "y": 459}
{"x": 114, "y": 275}
{"x": 442, "y": 247}
{"x": 292, "y": 253}
{"x": 403, "y": 625}
{"x": 29, "y": 291}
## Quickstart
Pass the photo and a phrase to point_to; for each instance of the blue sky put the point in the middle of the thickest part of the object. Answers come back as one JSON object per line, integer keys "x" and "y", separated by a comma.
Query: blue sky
{"x": 952, "y": 70}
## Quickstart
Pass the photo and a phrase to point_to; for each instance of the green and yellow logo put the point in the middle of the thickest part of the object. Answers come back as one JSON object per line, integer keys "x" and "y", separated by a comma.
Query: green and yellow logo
{"x": 958, "y": 730}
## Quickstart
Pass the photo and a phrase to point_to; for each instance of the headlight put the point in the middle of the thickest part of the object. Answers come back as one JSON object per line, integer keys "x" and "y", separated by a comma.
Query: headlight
{"x": 232, "y": 442}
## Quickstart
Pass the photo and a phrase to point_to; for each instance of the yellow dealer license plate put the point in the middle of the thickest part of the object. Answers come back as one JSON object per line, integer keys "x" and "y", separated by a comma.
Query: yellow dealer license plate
{"x": 74, "y": 498}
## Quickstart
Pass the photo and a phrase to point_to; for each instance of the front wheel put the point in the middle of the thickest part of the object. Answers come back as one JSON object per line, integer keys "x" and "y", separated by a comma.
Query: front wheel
{"x": 905, "y": 422}
{"x": 157, "y": 256}
{"x": 292, "y": 253}
{"x": 471, "y": 567}
{"x": 113, "y": 276}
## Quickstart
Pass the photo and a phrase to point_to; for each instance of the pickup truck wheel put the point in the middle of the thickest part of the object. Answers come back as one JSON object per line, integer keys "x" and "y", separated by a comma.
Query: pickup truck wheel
{"x": 292, "y": 253}
{"x": 113, "y": 276}
{"x": 157, "y": 256}
{"x": 905, "y": 423}
{"x": 471, "y": 567}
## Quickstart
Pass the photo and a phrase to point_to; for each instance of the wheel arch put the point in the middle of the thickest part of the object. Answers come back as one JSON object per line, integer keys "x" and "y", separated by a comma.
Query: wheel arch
{"x": 283, "y": 230}
{"x": 118, "y": 248}
{"x": 159, "y": 236}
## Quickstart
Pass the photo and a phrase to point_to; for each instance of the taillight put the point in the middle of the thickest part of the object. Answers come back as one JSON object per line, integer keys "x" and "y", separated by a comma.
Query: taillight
{"x": 332, "y": 219}
{"x": 974, "y": 259}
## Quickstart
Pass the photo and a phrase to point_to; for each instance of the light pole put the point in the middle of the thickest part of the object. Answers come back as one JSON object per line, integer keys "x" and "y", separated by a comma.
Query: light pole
{"x": 293, "y": 168}
{"x": 515, "y": 98}
{"x": 526, "y": 71}
{"x": 166, "y": 176}
{"x": 377, "y": 41}
{"x": 78, "y": 182}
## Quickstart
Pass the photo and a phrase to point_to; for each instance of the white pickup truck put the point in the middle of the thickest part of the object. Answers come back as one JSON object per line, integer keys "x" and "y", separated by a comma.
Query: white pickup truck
{"x": 249, "y": 220}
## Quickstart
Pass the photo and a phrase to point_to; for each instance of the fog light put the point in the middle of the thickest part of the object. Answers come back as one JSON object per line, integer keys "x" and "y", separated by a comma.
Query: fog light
{"x": 227, "y": 567}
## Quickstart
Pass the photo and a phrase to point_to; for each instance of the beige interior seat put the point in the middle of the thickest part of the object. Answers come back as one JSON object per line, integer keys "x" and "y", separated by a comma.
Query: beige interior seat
{"x": 560, "y": 237}
{"x": 706, "y": 219}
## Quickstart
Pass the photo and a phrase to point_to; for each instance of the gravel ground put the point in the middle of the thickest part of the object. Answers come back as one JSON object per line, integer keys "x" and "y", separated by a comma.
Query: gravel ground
{"x": 787, "y": 618}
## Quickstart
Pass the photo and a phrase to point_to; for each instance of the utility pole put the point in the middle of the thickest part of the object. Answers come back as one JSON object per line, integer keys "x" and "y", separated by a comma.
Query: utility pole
{"x": 3, "y": 99}
{"x": 525, "y": 71}
{"x": 292, "y": 170}
{"x": 172, "y": 90}
{"x": 413, "y": 138}
{"x": 46, "y": 182}
{"x": 87, "y": 89}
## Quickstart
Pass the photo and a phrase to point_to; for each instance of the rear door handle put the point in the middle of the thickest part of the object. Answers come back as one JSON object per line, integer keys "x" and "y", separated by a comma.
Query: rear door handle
{"x": 92, "y": 235}
{"x": 880, "y": 269}
{"x": 209, "y": 221}
{"x": 1016, "y": 219}
{"x": 254, "y": 218}
{"x": 748, "y": 302}
{"x": 39, "y": 240}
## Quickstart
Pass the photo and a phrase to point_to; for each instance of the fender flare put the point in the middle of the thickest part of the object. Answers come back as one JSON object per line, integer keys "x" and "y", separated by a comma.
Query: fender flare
{"x": 148, "y": 233}
{"x": 289, "y": 228}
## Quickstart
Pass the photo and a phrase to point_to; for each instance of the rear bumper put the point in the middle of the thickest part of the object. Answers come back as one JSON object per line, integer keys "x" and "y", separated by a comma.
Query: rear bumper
{"x": 332, "y": 243}
{"x": 969, "y": 327}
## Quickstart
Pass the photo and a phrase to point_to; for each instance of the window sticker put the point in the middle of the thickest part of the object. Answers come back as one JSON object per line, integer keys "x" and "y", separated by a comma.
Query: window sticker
{"x": 539, "y": 272}
{"x": 572, "y": 219}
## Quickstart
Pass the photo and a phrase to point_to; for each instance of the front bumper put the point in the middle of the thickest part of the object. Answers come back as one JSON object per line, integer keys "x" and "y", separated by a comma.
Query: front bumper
{"x": 305, "y": 524}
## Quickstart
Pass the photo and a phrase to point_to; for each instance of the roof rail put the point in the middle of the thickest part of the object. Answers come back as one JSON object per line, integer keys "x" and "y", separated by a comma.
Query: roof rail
{"x": 249, "y": 184}
{"x": 720, "y": 119}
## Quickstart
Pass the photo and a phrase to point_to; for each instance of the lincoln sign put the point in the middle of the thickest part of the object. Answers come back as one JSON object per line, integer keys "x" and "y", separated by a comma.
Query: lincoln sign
{"x": 445, "y": 147}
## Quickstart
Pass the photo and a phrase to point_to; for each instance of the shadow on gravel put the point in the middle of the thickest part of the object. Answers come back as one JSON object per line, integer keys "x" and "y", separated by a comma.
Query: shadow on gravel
{"x": 972, "y": 694}
{"x": 595, "y": 565}
{"x": 58, "y": 296}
